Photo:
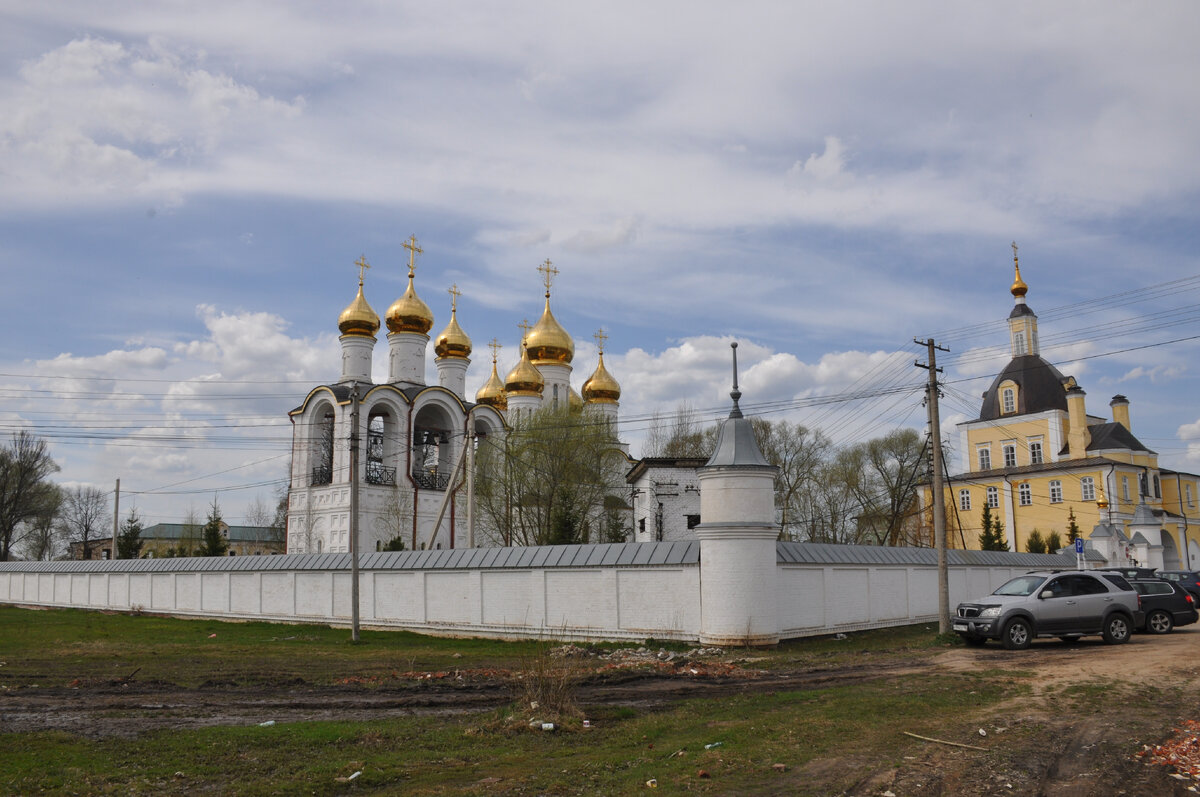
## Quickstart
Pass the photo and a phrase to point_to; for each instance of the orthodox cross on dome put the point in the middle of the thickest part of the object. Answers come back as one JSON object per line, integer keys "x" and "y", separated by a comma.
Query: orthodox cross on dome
{"x": 600, "y": 339}
{"x": 413, "y": 251}
{"x": 363, "y": 265}
{"x": 495, "y": 347}
{"x": 454, "y": 294}
{"x": 549, "y": 272}
{"x": 525, "y": 327}
{"x": 1014, "y": 246}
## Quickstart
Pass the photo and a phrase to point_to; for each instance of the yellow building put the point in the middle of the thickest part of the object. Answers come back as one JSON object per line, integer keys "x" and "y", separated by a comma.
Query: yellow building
{"x": 1037, "y": 458}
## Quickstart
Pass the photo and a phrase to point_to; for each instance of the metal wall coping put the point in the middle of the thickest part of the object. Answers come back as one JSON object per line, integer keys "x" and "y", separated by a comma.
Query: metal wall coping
{"x": 812, "y": 553}
{"x": 621, "y": 554}
{"x": 626, "y": 554}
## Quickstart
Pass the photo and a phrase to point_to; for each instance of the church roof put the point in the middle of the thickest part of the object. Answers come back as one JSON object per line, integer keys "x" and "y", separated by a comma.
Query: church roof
{"x": 1114, "y": 435}
{"x": 1040, "y": 388}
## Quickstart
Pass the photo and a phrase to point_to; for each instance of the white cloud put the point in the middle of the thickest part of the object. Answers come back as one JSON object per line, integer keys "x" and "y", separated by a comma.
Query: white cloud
{"x": 824, "y": 167}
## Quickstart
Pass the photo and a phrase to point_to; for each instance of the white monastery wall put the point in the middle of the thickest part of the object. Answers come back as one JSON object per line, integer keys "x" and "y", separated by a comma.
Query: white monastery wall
{"x": 622, "y": 591}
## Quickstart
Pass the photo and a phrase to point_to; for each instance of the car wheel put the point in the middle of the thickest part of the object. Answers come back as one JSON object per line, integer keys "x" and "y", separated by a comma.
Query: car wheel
{"x": 1116, "y": 629}
{"x": 1159, "y": 622}
{"x": 1017, "y": 634}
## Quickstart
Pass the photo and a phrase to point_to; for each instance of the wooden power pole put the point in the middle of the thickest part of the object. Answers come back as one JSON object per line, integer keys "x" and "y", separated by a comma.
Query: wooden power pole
{"x": 939, "y": 506}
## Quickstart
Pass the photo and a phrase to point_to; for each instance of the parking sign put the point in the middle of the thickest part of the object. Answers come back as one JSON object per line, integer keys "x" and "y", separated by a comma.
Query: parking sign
{"x": 1079, "y": 545}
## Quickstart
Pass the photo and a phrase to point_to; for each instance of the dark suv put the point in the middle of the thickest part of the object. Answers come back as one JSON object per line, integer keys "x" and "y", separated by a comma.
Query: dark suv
{"x": 1065, "y": 604}
{"x": 1188, "y": 579}
{"x": 1166, "y": 604}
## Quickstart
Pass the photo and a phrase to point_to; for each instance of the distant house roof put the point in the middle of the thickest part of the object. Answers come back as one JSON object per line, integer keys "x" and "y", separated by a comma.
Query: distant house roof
{"x": 646, "y": 463}
{"x": 175, "y": 531}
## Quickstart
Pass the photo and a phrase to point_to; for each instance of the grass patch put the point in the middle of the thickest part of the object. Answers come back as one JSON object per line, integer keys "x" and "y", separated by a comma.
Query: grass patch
{"x": 736, "y": 741}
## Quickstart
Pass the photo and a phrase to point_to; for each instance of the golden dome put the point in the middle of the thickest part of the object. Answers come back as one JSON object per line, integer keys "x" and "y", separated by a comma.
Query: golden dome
{"x": 548, "y": 342}
{"x": 358, "y": 318}
{"x": 453, "y": 342}
{"x": 1019, "y": 288}
{"x": 492, "y": 393}
{"x": 574, "y": 401}
{"x": 601, "y": 388}
{"x": 409, "y": 313}
{"x": 524, "y": 380}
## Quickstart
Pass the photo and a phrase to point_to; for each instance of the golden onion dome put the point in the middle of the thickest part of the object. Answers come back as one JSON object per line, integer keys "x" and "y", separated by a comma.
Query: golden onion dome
{"x": 524, "y": 380}
{"x": 358, "y": 318}
{"x": 453, "y": 342}
{"x": 409, "y": 313}
{"x": 548, "y": 342}
{"x": 1019, "y": 288}
{"x": 492, "y": 393}
{"x": 601, "y": 388}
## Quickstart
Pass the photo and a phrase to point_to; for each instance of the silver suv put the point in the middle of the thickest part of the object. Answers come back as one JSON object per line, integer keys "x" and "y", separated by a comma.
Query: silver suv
{"x": 1066, "y": 604}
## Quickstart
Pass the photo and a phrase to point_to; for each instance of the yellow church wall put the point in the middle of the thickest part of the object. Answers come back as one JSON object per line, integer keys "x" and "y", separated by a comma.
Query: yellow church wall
{"x": 997, "y": 433}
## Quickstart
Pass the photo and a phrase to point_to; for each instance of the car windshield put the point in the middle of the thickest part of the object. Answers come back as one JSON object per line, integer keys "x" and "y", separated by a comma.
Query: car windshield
{"x": 1021, "y": 585}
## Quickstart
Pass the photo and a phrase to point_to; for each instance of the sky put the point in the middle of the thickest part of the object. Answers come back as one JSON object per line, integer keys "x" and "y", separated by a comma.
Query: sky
{"x": 185, "y": 187}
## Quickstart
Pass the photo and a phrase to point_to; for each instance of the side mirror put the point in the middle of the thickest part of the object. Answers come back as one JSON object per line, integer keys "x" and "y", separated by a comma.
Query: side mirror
{"x": 1046, "y": 594}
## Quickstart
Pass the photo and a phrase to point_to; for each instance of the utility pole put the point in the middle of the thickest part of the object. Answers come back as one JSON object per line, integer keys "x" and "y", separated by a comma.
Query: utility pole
{"x": 116, "y": 518}
{"x": 939, "y": 507}
{"x": 471, "y": 439}
{"x": 354, "y": 512}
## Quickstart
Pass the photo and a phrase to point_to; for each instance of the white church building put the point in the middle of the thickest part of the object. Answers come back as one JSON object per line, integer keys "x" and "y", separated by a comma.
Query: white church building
{"x": 414, "y": 442}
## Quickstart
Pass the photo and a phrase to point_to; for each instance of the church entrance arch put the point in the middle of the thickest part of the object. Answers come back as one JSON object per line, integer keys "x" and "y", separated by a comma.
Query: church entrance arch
{"x": 1170, "y": 552}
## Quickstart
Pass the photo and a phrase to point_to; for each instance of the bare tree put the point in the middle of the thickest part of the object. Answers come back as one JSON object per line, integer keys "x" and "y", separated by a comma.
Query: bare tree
{"x": 85, "y": 517}
{"x": 685, "y": 436}
{"x": 25, "y": 489}
{"x": 546, "y": 481}
{"x": 889, "y": 470}
{"x": 42, "y": 539}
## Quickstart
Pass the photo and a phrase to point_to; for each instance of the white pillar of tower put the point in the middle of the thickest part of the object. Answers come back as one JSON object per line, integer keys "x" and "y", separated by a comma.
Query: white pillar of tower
{"x": 406, "y": 357}
{"x": 737, "y": 537}
{"x": 356, "y": 357}
{"x": 452, "y": 374}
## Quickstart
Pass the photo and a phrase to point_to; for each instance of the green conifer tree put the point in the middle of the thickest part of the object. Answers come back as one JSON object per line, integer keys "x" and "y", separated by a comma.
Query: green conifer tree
{"x": 213, "y": 542}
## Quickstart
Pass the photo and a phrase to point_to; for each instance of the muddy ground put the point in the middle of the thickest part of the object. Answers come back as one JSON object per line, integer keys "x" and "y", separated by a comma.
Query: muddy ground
{"x": 1040, "y": 743}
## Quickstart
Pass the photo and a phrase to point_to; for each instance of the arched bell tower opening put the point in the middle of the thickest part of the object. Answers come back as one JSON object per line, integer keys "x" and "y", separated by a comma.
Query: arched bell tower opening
{"x": 432, "y": 448}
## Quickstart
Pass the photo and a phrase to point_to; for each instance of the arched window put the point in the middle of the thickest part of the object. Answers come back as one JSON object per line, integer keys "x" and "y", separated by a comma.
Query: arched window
{"x": 322, "y": 450}
{"x": 1008, "y": 397}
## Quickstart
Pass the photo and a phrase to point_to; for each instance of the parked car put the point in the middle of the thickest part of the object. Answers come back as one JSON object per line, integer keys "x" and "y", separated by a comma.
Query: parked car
{"x": 1131, "y": 572}
{"x": 1065, "y": 604}
{"x": 1188, "y": 579}
{"x": 1165, "y": 605}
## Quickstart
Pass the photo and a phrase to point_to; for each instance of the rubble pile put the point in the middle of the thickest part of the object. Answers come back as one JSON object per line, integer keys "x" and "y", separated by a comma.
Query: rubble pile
{"x": 1181, "y": 752}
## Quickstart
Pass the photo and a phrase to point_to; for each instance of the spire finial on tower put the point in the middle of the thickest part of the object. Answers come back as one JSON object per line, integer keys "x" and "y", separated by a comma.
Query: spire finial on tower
{"x": 600, "y": 339}
{"x": 413, "y": 251}
{"x": 735, "y": 394}
{"x": 549, "y": 272}
{"x": 525, "y": 327}
{"x": 363, "y": 265}
{"x": 1019, "y": 288}
{"x": 454, "y": 294}
{"x": 495, "y": 347}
